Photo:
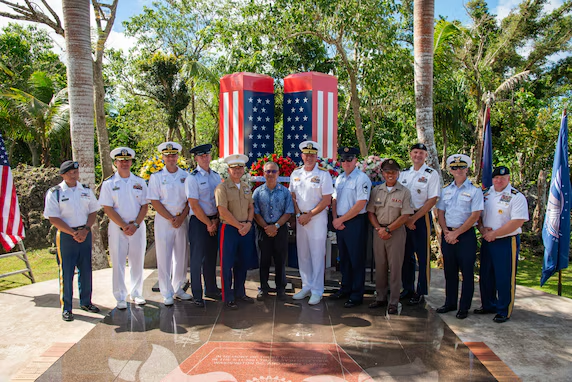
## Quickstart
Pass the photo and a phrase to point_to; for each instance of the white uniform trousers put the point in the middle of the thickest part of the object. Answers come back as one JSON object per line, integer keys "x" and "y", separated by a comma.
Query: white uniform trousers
{"x": 311, "y": 246}
{"x": 171, "y": 248}
{"x": 121, "y": 248}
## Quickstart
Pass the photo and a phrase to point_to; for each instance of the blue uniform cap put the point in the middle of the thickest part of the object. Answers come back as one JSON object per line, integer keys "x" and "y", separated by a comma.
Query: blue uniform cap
{"x": 201, "y": 149}
{"x": 348, "y": 152}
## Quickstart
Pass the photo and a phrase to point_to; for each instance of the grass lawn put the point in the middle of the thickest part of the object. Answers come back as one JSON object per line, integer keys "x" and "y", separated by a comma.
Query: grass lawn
{"x": 43, "y": 263}
{"x": 530, "y": 269}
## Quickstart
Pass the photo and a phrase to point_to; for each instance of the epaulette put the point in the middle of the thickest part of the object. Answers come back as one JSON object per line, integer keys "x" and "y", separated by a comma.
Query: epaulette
{"x": 109, "y": 177}
{"x": 85, "y": 185}
{"x": 407, "y": 169}
{"x": 514, "y": 192}
{"x": 55, "y": 188}
{"x": 429, "y": 170}
{"x": 446, "y": 185}
{"x": 299, "y": 167}
{"x": 214, "y": 171}
{"x": 486, "y": 189}
{"x": 322, "y": 168}
{"x": 195, "y": 172}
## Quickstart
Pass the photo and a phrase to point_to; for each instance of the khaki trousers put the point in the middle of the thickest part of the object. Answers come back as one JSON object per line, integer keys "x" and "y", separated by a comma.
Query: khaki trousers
{"x": 389, "y": 257}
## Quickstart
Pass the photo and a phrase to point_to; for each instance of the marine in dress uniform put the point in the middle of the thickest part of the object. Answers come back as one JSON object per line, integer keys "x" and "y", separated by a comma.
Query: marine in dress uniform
{"x": 203, "y": 225}
{"x": 236, "y": 238}
{"x": 312, "y": 188}
{"x": 459, "y": 209}
{"x": 71, "y": 207}
{"x": 273, "y": 207}
{"x": 425, "y": 186}
{"x": 505, "y": 212}
{"x": 167, "y": 196}
{"x": 350, "y": 198}
{"x": 124, "y": 199}
{"x": 388, "y": 209}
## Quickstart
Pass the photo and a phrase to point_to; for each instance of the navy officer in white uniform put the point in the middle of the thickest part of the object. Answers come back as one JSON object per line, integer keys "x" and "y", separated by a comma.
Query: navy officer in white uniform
{"x": 506, "y": 210}
{"x": 425, "y": 186}
{"x": 349, "y": 213}
{"x": 167, "y": 196}
{"x": 124, "y": 199}
{"x": 312, "y": 188}
{"x": 72, "y": 208}
{"x": 459, "y": 209}
{"x": 203, "y": 225}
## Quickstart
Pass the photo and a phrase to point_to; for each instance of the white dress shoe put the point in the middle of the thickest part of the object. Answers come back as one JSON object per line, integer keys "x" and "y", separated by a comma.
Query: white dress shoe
{"x": 182, "y": 296}
{"x": 315, "y": 299}
{"x": 301, "y": 295}
{"x": 168, "y": 301}
{"x": 138, "y": 300}
{"x": 121, "y": 305}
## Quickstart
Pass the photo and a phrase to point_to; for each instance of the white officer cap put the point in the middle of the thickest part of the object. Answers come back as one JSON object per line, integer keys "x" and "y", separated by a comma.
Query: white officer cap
{"x": 309, "y": 147}
{"x": 457, "y": 160}
{"x": 236, "y": 160}
{"x": 122, "y": 153}
{"x": 169, "y": 148}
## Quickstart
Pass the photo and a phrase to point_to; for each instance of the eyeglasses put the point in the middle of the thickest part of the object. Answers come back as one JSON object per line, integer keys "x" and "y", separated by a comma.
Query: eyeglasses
{"x": 347, "y": 159}
{"x": 458, "y": 168}
{"x": 270, "y": 171}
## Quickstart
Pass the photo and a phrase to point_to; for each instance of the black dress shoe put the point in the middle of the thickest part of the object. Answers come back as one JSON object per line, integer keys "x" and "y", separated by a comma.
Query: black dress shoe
{"x": 406, "y": 294}
{"x": 482, "y": 310}
{"x": 248, "y": 300}
{"x": 351, "y": 303}
{"x": 339, "y": 295}
{"x": 377, "y": 304}
{"x": 231, "y": 305}
{"x": 67, "y": 315}
{"x": 446, "y": 308}
{"x": 392, "y": 309}
{"x": 281, "y": 296}
{"x": 262, "y": 295}
{"x": 90, "y": 308}
{"x": 416, "y": 299}
{"x": 199, "y": 303}
{"x": 500, "y": 319}
{"x": 214, "y": 296}
{"x": 462, "y": 314}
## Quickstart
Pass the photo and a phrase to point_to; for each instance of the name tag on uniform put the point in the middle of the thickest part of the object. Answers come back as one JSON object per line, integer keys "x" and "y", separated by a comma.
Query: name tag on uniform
{"x": 115, "y": 188}
{"x": 137, "y": 186}
{"x": 203, "y": 183}
{"x": 65, "y": 199}
{"x": 422, "y": 180}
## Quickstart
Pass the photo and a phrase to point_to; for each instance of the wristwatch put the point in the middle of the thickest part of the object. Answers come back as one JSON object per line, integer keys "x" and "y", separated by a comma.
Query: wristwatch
{"x": 298, "y": 214}
{"x": 387, "y": 230}
{"x": 277, "y": 225}
{"x": 136, "y": 225}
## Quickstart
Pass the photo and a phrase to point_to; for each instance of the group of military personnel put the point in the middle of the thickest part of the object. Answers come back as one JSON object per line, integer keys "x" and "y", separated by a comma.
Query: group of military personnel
{"x": 222, "y": 216}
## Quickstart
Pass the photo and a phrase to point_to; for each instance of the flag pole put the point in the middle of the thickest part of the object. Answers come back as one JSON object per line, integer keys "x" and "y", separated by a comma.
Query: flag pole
{"x": 560, "y": 282}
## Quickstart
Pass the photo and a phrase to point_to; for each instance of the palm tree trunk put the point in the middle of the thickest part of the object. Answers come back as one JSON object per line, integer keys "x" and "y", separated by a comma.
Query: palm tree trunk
{"x": 80, "y": 90}
{"x": 423, "y": 29}
{"x": 102, "y": 135}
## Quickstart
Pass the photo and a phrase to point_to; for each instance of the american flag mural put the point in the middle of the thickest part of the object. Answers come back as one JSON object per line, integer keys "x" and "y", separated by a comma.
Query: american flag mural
{"x": 310, "y": 113}
{"x": 246, "y": 115}
{"x": 11, "y": 225}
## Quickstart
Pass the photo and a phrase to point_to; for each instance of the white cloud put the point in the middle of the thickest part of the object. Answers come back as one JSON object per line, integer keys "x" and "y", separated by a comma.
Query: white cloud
{"x": 118, "y": 40}
{"x": 504, "y": 7}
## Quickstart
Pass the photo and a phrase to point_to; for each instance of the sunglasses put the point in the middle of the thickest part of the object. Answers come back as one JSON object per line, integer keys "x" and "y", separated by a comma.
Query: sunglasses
{"x": 347, "y": 159}
{"x": 270, "y": 171}
{"x": 459, "y": 167}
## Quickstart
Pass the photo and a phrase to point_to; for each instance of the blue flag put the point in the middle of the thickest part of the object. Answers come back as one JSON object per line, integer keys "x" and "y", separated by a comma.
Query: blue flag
{"x": 487, "y": 158}
{"x": 556, "y": 229}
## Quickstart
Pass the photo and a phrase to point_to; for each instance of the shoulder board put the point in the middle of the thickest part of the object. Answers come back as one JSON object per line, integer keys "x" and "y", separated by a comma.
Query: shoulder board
{"x": 322, "y": 168}
{"x": 446, "y": 185}
{"x": 407, "y": 169}
{"x": 55, "y": 188}
{"x": 214, "y": 171}
{"x": 513, "y": 191}
{"x": 85, "y": 185}
{"x": 429, "y": 170}
{"x": 195, "y": 172}
{"x": 299, "y": 167}
{"x": 486, "y": 190}
{"x": 109, "y": 177}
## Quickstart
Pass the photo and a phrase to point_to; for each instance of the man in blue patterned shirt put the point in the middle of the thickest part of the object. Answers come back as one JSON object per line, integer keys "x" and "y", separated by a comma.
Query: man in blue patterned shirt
{"x": 273, "y": 207}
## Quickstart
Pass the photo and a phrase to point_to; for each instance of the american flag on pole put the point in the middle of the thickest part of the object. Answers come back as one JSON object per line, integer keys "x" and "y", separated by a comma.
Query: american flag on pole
{"x": 310, "y": 113}
{"x": 246, "y": 115}
{"x": 11, "y": 225}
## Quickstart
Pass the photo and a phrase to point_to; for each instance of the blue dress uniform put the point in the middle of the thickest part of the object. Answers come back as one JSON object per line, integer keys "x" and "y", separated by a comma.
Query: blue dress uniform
{"x": 352, "y": 240}
{"x": 201, "y": 186}
{"x": 234, "y": 249}
{"x": 459, "y": 203}
{"x": 423, "y": 184}
{"x": 72, "y": 205}
{"x": 499, "y": 258}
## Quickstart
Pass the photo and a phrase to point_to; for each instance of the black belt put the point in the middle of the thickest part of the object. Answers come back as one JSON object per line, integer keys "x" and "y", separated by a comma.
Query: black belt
{"x": 212, "y": 217}
{"x": 79, "y": 228}
{"x": 384, "y": 225}
{"x": 452, "y": 229}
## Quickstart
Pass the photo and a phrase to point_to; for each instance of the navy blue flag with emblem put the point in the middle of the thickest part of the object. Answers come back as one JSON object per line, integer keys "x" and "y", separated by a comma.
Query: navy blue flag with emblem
{"x": 556, "y": 229}
{"x": 487, "y": 159}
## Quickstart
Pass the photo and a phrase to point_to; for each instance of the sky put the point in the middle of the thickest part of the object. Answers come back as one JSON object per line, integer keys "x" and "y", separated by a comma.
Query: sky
{"x": 451, "y": 9}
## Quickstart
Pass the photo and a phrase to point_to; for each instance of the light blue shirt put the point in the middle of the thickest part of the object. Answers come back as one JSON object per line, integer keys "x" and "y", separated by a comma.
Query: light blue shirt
{"x": 201, "y": 185}
{"x": 272, "y": 204}
{"x": 350, "y": 189}
{"x": 460, "y": 202}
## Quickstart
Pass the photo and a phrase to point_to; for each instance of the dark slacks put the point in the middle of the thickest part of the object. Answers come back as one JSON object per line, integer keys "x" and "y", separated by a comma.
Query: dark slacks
{"x": 352, "y": 250}
{"x": 418, "y": 243}
{"x": 72, "y": 254}
{"x": 234, "y": 251}
{"x": 460, "y": 256}
{"x": 499, "y": 262}
{"x": 273, "y": 248}
{"x": 204, "y": 249}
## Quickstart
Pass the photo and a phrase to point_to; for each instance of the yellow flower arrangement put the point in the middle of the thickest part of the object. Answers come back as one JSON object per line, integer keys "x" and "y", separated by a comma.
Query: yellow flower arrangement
{"x": 155, "y": 163}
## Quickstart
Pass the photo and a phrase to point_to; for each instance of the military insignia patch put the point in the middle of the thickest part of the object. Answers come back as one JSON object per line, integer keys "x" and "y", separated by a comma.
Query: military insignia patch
{"x": 137, "y": 186}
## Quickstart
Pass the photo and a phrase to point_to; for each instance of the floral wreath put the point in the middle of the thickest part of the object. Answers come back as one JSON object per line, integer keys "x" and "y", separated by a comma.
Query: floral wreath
{"x": 155, "y": 164}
